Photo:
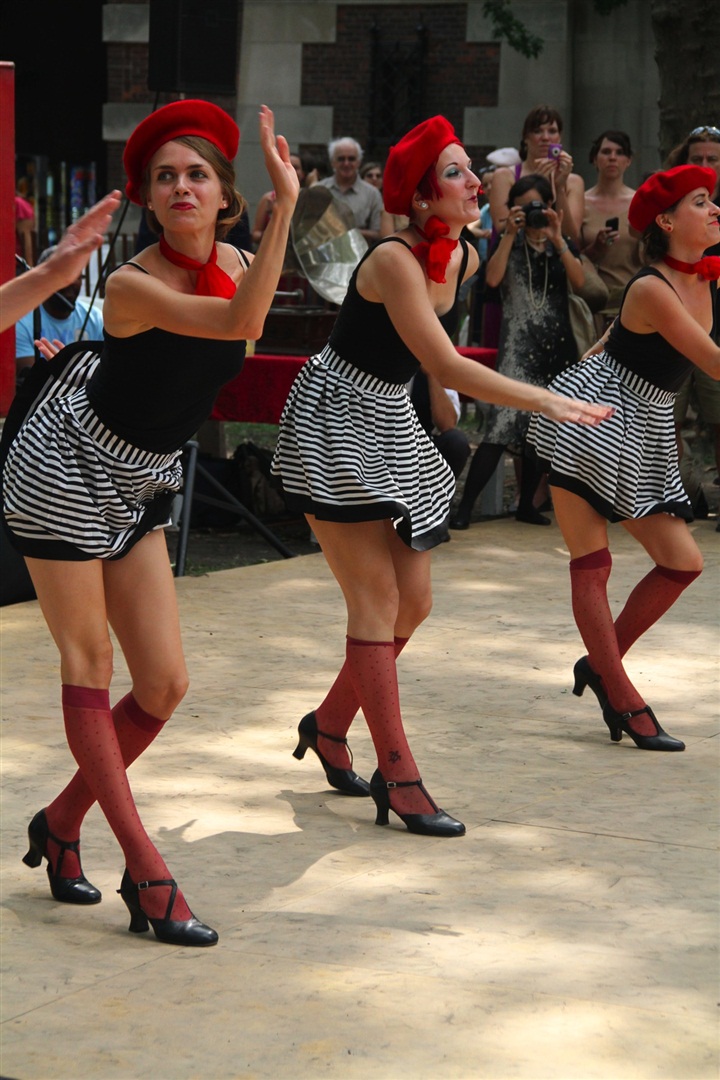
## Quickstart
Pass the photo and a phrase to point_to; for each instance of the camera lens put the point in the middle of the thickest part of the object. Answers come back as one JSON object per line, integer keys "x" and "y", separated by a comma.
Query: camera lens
{"x": 535, "y": 216}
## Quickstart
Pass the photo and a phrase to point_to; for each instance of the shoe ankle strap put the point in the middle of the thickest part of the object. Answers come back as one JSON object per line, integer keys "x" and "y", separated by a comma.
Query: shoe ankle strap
{"x": 151, "y": 884}
{"x": 332, "y": 738}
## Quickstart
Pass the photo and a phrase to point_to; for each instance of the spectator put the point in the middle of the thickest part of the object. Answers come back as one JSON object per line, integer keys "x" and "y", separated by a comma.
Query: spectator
{"x": 22, "y": 294}
{"x": 364, "y": 200}
{"x": 605, "y": 235}
{"x": 371, "y": 172}
{"x": 542, "y": 154}
{"x": 63, "y": 318}
{"x": 533, "y": 264}
{"x": 267, "y": 201}
{"x": 24, "y": 229}
{"x": 438, "y": 410}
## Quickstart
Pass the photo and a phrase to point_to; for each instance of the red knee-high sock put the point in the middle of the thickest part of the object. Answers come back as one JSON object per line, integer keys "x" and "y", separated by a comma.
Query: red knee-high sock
{"x": 372, "y": 669}
{"x": 136, "y": 730}
{"x": 337, "y": 712}
{"x": 588, "y": 577}
{"x": 94, "y": 744}
{"x": 649, "y": 600}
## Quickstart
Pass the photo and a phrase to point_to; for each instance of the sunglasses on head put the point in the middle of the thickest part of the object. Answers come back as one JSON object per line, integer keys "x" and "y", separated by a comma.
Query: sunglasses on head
{"x": 715, "y": 132}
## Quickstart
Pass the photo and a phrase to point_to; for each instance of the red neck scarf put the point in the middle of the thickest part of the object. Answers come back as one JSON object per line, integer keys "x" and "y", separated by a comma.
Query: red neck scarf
{"x": 434, "y": 250}
{"x": 211, "y": 280}
{"x": 708, "y": 268}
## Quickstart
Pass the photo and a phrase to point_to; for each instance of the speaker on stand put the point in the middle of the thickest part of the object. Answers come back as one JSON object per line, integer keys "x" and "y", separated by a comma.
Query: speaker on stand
{"x": 193, "y": 46}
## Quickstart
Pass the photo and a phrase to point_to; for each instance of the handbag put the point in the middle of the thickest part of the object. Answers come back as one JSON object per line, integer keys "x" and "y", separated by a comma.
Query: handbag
{"x": 592, "y": 296}
{"x": 582, "y": 323}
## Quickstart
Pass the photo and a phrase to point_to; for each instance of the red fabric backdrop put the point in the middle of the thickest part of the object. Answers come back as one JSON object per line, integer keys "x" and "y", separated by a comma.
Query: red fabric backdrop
{"x": 259, "y": 392}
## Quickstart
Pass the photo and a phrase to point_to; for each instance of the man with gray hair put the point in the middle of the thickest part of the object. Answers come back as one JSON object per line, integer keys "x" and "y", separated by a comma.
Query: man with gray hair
{"x": 364, "y": 200}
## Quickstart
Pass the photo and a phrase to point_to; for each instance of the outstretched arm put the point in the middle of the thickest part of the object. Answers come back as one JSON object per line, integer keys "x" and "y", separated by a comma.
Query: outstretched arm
{"x": 398, "y": 280}
{"x": 24, "y": 293}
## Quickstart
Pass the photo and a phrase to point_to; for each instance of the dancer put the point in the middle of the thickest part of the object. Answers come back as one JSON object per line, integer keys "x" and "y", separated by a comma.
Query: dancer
{"x": 352, "y": 456}
{"x": 91, "y": 470}
{"x": 629, "y": 472}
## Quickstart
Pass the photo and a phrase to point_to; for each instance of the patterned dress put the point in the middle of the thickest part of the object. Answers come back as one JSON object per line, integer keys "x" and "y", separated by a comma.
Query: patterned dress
{"x": 536, "y": 341}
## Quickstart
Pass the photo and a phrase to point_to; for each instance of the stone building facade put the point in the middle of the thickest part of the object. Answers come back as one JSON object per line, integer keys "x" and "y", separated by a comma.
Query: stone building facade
{"x": 368, "y": 68}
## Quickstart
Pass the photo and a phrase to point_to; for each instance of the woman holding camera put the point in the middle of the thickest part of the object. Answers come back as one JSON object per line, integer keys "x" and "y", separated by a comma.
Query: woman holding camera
{"x": 605, "y": 236}
{"x": 542, "y": 154}
{"x": 532, "y": 264}
{"x": 667, "y": 327}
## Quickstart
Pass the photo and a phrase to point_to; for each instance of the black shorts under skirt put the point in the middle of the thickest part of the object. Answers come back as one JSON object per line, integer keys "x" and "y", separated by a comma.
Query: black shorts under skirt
{"x": 72, "y": 490}
{"x": 351, "y": 448}
{"x": 627, "y": 466}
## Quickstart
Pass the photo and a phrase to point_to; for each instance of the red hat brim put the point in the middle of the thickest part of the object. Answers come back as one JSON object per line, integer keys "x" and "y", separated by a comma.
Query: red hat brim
{"x": 191, "y": 117}
{"x": 409, "y": 160}
{"x": 663, "y": 189}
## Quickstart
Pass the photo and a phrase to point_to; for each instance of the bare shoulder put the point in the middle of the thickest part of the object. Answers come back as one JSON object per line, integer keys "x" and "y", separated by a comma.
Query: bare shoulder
{"x": 231, "y": 258}
{"x": 388, "y": 264}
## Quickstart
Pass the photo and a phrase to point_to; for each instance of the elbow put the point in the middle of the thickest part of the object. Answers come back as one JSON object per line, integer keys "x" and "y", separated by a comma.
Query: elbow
{"x": 253, "y": 331}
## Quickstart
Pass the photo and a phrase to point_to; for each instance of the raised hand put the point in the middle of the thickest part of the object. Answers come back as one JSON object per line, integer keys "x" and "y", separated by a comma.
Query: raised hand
{"x": 277, "y": 159}
{"x": 85, "y": 236}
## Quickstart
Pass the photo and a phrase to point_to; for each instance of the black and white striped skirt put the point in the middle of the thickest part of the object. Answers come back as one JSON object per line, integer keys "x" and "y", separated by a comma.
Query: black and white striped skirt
{"x": 627, "y": 466}
{"x": 73, "y": 490}
{"x": 351, "y": 448}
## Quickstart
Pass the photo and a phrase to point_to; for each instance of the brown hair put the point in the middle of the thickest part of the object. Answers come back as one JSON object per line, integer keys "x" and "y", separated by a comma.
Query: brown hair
{"x": 620, "y": 137}
{"x": 428, "y": 185}
{"x": 229, "y": 215}
{"x": 541, "y": 114}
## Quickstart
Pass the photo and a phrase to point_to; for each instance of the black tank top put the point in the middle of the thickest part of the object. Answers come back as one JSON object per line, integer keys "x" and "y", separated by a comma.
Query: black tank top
{"x": 156, "y": 388}
{"x": 649, "y": 355}
{"x": 364, "y": 335}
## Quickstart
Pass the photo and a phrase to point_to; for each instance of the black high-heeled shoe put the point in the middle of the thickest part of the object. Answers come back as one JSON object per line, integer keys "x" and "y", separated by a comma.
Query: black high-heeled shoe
{"x": 76, "y": 890}
{"x": 343, "y": 780}
{"x": 530, "y": 516}
{"x": 585, "y": 676}
{"x": 170, "y": 931}
{"x": 460, "y": 520}
{"x": 437, "y": 824}
{"x": 619, "y": 722}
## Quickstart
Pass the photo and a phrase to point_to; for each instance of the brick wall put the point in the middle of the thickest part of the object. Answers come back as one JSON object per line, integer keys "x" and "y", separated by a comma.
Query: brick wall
{"x": 459, "y": 73}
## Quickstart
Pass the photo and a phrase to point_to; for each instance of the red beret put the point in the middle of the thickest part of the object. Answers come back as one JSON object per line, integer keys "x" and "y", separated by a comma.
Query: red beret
{"x": 170, "y": 122}
{"x": 663, "y": 189}
{"x": 409, "y": 160}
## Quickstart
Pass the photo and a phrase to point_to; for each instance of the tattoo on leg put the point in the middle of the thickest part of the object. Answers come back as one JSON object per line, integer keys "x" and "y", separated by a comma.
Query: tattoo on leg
{"x": 395, "y": 756}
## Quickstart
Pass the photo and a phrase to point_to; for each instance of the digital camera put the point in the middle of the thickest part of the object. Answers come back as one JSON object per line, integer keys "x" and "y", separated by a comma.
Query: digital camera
{"x": 554, "y": 150}
{"x": 535, "y": 216}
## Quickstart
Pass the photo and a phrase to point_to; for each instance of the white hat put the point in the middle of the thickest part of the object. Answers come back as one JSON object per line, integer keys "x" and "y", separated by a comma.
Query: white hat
{"x": 506, "y": 155}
